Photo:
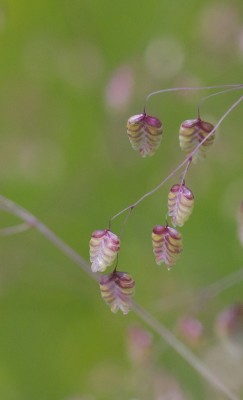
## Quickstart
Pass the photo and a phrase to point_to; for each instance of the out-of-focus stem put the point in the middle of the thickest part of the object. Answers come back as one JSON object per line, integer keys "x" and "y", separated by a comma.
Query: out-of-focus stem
{"x": 29, "y": 219}
{"x": 198, "y": 298}
{"x": 181, "y": 349}
{"x": 12, "y": 230}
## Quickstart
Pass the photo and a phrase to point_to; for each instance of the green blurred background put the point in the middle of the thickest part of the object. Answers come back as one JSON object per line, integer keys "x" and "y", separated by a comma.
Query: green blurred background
{"x": 71, "y": 73}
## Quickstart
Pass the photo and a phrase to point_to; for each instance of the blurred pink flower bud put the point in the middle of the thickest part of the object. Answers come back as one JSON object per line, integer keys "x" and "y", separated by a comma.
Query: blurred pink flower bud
{"x": 117, "y": 290}
{"x": 191, "y": 329}
{"x": 191, "y": 133}
{"x": 120, "y": 87}
{"x": 167, "y": 245}
{"x": 180, "y": 204}
{"x": 104, "y": 246}
{"x": 145, "y": 133}
{"x": 139, "y": 345}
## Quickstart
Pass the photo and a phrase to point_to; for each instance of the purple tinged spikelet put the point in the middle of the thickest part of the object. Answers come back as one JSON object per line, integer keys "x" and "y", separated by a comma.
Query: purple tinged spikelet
{"x": 167, "y": 245}
{"x": 144, "y": 133}
{"x": 180, "y": 204}
{"x": 191, "y": 133}
{"x": 104, "y": 246}
{"x": 117, "y": 290}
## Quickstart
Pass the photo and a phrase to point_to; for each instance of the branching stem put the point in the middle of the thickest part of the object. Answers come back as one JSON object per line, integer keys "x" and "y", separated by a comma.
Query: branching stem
{"x": 203, "y": 99}
{"x": 196, "y": 88}
{"x": 179, "y": 166}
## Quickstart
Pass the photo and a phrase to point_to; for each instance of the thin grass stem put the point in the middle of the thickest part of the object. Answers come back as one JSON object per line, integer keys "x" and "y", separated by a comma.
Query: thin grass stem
{"x": 203, "y": 99}
{"x": 195, "y": 88}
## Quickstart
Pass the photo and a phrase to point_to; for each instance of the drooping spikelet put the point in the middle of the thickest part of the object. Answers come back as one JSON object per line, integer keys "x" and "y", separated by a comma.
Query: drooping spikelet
{"x": 167, "y": 245}
{"x": 145, "y": 133}
{"x": 180, "y": 204}
{"x": 117, "y": 290}
{"x": 104, "y": 246}
{"x": 191, "y": 133}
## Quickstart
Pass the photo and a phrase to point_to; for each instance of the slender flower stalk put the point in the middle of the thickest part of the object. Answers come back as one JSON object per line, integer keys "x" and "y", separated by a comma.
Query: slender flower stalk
{"x": 15, "y": 209}
{"x": 195, "y": 88}
{"x": 203, "y": 99}
{"x": 186, "y": 170}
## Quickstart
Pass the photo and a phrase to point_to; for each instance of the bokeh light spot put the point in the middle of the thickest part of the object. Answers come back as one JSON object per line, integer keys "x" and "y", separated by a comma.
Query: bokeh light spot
{"x": 219, "y": 27}
{"x": 119, "y": 89}
{"x": 164, "y": 58}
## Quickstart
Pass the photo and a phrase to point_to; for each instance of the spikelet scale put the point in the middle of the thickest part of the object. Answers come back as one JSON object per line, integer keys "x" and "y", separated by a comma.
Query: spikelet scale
{"x": 144, "y": 133}
{"x": 180, "y": 204}
{"x": 104, "y": 246}
{"x": 167, "y": 245}
{"x": 117, "y": 290}
{"x": 191, "y": 133}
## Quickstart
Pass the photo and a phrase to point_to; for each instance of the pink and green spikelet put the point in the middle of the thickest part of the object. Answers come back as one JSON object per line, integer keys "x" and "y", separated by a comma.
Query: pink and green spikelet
{"x": 167, "y": 245}
{"x": 117, "y": 290}
{"x": 192, "y": 132}
{"x": 104, "y": 246}
{"x": 145, "y": 133}
{"x": 180, "y": 204}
